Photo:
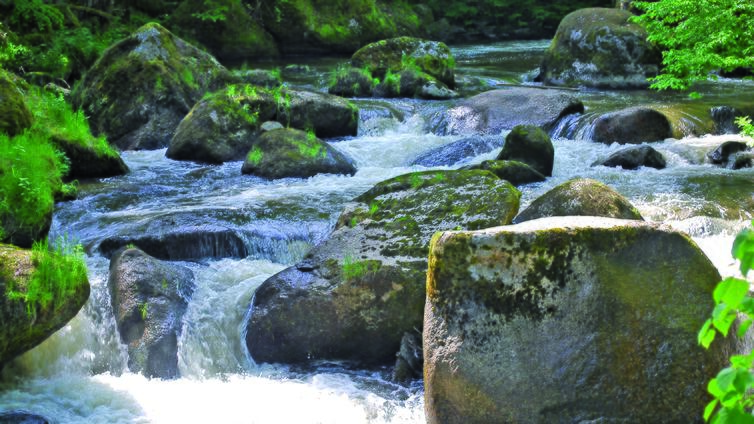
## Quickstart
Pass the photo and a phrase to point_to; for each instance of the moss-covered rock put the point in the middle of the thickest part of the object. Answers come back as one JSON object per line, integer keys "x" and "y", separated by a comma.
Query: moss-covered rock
{"x": 141, "y": 87}
{"x": 352, "y": 82}
{"x": 14, "y": 114}
{"x": 516, "y": 173}
{"x": 583, "y": 197}
{"x": 149, "y": 298}
{"x": 288, "y": 152}
{"x": 600, "y": 47}
{"x": 90, "y": 160}
{"x": 495, "y": 111}
{"x": 570, "y": 319}
{"x": 236, "y": 37}
{"x": 633, "y": 157}
{"x": 633, "y": 125}
{"x": 531, "y": 145}
{"x": 355, "y": 295}
{"x": 397, "y": 54}
{"x": 223, "y": 126}
{"x": 27, "y": 324}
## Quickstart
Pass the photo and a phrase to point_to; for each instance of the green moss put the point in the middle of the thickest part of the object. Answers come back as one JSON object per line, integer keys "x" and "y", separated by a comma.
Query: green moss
{"x": 255, "y": 156}
{"x": 353, "y": 269}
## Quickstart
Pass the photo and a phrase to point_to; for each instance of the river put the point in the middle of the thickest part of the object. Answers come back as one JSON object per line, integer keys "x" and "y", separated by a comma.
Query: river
{"x": 79, "y": 375}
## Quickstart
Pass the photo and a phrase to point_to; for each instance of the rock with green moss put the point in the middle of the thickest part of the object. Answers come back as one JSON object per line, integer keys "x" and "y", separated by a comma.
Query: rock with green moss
{"x": 149, "y": 298}
{"x": 600, "y": 47}
{"x": 583, "y": 197}
{"x": 531, "y": 145}
{"x": 14, "y": 114}
{"x": 90, "y": 160}
{"x": 568, "y": 319}
{"x": 26, "y": 324}
{"x": 495, "y": 111}
{"x": 397, "y": 54}
{"x": 141, "y": 87}
{"x": 355, "y": 295}
{"x": 224, "y": 125}
{"x": 235, "y": 37}
{"x": 288, "y": 152}
{"x": 352, "y": 82}
{"x": 516, "y": 173}
{"x": 633, "y": 125}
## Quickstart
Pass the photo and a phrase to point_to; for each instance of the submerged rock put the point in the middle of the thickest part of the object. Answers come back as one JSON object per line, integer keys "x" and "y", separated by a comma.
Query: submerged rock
{"x": 494, "y": 111}
{"x": 633, "y": 125}
{"x": 531, "y": 145}
{"x": 634, "y": 157}
{"x": 570, "y": 319}
{"x": 355, "y": 295}
{"x": 294, "y": 153}
{"x": 141, "y": 87}
{"x": 457, "y": 151}
{"x": 27, "y": 324}
{"x": 727, "y": 153}
{"x": 516, "y": 173}
{"x": 599, "y": 47}
{"x": 149, "y": 298}
{"x": 21, "y": 417}
{"x": 583, "y": 197}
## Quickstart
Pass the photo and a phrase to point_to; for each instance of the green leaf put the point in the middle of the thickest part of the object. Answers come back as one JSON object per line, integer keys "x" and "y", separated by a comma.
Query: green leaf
{"x": 725, "y": 379}
{"x": 706, "y": 335}
{"x": 710, "y": 409}
{"x": 731, "y": 291}
{"x": 744, "y": 327}
{"x": 722, "y": 318}
{"x": 743, "y": 249}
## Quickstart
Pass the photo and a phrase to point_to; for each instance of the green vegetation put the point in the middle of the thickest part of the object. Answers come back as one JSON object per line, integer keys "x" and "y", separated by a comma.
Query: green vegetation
{"x": 747, "y": 128}
{"x": 699, "y": 37}
{"x": 143, "y": 311}
{"x": 732, "y": 387}
{"x": 255, "y": 156}
{"x": 59, "y": 271}
{"x": 353, "y": 269}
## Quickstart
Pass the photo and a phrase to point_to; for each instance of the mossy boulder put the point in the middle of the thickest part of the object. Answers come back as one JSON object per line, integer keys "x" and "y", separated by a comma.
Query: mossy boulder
{"x": 14, "y": 114}
{"x": 288, "y": 152}
{"x": 600, "y": 47}
{"x": 495, "y": 111}
{"x": 355, "y": 295}
{"x": 237, "y": 37}
{"x": 90, "y": 159}
{"x": 633, "y": 125}
{"x": 516, "y": 173}
{"x": 531, "y": 145}
{"x": 582, "y": 197}
{"x": 223, "y": 126}
{"x": 352, "y": 82}
{"x": 141, "y": 87}
{"x": 568, "y": 319}
{"x": 149, "y": 298}
{"x": 25, "y": 325}
{"x": 633, "y": 157}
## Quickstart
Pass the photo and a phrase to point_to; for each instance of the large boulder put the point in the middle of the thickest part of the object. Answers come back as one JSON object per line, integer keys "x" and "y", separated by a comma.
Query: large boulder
{"x": 633, "y": 125}
{"x": 531, "y": 145}
{"x": 149, "y": 298}
{"x": 495, "y": 111}
{"x": 224, "y": 125}
{"x": 569, "y": 319}
{"x": 14, "y": 114}
{"x": 141, "y": 87}
{"x": 457, "y": 151}
{"x": 599, "y": 47}
{"x": 27, "y": 322}
{"x": 516, "y": 173}
{"x": 633, "y": 157}
{"x": 396, "y": 54}
{"x": 355, "y": 295}
{"x": 582, "y": 197}
{"x": 288, "y": 152}
{"x": 236, "y": 37}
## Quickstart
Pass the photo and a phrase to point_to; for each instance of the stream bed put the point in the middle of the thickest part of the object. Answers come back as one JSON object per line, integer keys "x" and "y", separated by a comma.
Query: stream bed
{"x": 80, "y": 375}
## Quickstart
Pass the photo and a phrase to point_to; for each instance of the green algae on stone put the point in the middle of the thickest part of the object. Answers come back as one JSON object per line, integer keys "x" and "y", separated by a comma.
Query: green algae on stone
{"x": 14, "y": 113}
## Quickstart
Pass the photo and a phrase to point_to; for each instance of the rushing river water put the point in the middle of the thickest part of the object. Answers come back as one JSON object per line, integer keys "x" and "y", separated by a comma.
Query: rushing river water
{"x": 80, "y": 374}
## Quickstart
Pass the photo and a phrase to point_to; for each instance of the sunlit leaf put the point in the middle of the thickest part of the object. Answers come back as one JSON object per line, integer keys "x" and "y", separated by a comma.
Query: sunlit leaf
{"x": 710, "y": 409}
{"x": 706, "y": 335}
{"x": 731, "y": 291}
{"x": 743, "y": 249}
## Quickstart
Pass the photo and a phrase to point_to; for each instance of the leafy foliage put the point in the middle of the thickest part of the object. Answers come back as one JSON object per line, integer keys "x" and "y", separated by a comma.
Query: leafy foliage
{"x": 744, "y": 123}
{"x": 732, "y": 387}
{"x": 699, "y": 37}
{"x": 36, "y": 13}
